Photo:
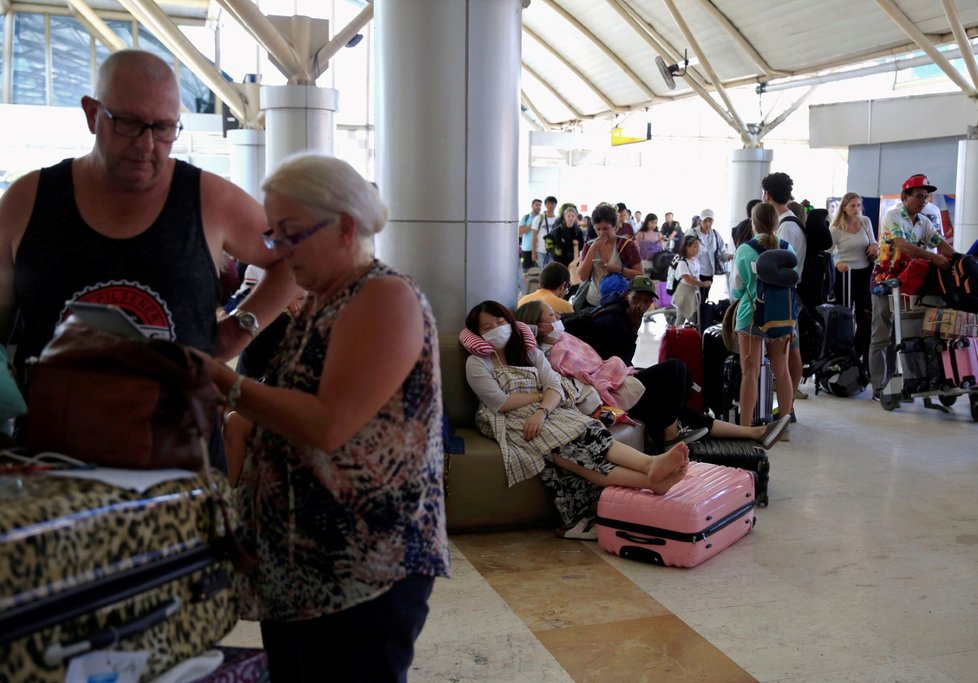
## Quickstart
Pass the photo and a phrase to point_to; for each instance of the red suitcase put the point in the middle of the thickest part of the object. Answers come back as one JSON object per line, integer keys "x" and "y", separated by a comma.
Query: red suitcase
{"x": 708, "y": 510}
{"x": 960, "y": 358}
{"x": 685, "y": 344}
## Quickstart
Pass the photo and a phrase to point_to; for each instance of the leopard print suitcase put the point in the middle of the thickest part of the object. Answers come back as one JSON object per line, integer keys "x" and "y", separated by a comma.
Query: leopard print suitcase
{"x": 86, "y": 565}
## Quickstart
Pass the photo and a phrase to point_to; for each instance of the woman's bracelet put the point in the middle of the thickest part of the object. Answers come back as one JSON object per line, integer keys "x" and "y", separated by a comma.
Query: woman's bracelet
{"x": 234, "y": 393}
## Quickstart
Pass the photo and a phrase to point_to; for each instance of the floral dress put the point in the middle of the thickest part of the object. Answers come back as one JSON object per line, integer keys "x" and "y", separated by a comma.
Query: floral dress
{"x": 336, "y": 529}
{"x": 566, "y": 432}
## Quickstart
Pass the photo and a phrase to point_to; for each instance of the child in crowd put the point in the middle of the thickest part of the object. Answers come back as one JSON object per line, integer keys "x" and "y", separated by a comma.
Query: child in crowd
{"x": 686, "y": 298}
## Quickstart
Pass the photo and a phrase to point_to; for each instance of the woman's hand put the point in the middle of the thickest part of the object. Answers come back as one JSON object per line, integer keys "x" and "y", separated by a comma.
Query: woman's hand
{"x": 531, "y": 428}
{"x": 841, "y": 267}
{"x": 873, "y": 251}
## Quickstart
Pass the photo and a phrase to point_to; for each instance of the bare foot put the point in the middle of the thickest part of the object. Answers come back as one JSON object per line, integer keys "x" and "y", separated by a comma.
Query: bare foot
{"x": 662, "y": 466}
{"x": 663, "y": 485}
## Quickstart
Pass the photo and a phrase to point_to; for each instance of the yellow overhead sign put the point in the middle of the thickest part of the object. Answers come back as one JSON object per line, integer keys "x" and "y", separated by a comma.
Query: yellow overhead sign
{"x": 618, "y": 136}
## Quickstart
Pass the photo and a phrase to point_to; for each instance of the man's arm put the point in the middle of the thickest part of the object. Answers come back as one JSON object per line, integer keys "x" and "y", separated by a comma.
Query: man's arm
{"x": 235, "y": 221}
{"x": 913, "y": 251}
{"x": 16, "y": 206}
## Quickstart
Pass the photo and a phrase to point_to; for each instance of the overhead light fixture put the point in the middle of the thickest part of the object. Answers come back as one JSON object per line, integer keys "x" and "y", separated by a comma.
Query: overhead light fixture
{"x": 671, "y": 71}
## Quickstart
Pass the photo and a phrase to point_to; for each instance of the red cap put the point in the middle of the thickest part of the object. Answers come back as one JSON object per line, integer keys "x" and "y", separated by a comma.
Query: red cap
{"x": 915, "y": 181}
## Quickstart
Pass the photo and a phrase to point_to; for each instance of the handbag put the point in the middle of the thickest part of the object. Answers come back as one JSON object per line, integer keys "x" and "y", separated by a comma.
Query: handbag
{"x": 628, "y": 393}
{"x": 728, "y": 328}
{"x": 119, "y": 402}
{"x": 579, "y": 300}
{"x": 914, "y": 275}
{"x": 719, "y": 264}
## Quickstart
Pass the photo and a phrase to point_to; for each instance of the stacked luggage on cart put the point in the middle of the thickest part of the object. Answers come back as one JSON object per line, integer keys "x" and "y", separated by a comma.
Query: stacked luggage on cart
{"x": 936, "y": 353}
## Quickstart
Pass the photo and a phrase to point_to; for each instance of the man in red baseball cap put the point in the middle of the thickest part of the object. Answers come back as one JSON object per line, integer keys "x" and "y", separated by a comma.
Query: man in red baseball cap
{"x": 905, "y": 234}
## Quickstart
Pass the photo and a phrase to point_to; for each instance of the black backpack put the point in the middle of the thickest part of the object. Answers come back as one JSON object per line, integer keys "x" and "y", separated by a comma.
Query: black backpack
{"x": 660, "y": 265}
{"x": 842, "y": 376}
{"x": 959, "y": 283}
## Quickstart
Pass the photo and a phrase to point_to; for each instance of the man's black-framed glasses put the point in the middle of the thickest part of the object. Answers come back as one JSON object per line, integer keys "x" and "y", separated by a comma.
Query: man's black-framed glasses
{"x": 134, "y": 128}
{"x": 290, "y": 242}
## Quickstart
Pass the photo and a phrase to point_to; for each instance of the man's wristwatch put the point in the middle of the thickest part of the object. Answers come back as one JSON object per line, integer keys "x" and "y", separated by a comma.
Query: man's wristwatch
{"x": 246, "y": 321}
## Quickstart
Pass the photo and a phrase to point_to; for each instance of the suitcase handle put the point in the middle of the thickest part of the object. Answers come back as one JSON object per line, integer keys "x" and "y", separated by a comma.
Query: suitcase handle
{"x": 56, "y": 653}
{"x": 644, "y": 540}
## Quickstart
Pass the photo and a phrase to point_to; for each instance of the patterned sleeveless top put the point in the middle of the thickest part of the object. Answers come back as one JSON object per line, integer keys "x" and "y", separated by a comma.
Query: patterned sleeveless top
{"x": 344, "y": 529}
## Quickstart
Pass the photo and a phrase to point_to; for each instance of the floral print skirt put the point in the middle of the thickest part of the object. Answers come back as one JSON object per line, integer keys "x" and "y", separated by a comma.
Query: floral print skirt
{"x": 575, "y": 496}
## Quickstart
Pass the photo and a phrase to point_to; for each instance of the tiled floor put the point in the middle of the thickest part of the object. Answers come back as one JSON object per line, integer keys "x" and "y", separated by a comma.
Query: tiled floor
{"x": 863, "y": 569}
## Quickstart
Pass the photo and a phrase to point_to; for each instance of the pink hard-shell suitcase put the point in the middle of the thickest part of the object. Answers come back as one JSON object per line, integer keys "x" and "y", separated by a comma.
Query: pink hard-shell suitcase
{"x": 686, "y": 344}
{"x": 960, "y": 358}
{"x": 708, "y": 510}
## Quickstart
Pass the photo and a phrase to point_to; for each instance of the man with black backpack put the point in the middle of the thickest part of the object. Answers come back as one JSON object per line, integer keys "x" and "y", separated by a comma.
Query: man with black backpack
{"x": 777, "y": 192}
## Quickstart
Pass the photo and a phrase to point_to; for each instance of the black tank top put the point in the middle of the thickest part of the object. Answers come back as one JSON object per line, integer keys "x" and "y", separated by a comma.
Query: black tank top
{"x": 164, "y": 277}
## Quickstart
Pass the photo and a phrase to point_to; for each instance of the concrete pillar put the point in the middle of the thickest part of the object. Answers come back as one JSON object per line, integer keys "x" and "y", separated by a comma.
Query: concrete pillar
{"x": 247, "y": 160}
{"x": 747, "y": 168}
{"x": 298, "y": 118}
{"x": 447, "y": 147}
{"x": 966, "y": 197}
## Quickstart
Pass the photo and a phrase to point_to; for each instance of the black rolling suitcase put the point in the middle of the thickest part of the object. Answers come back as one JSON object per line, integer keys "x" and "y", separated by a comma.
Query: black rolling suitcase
{"x": 715, "y": 353}
{"x": 763, "y": 409}
{"x": 742, "y": 453}
{"x": 923, "y": 365}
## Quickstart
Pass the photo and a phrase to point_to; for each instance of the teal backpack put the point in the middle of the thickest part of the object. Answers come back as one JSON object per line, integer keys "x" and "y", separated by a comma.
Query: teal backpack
{"x": 776, "y": 303}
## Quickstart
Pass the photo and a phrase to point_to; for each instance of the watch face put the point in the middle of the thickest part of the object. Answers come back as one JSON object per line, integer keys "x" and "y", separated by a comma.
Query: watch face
{"x": 247, "y": 321}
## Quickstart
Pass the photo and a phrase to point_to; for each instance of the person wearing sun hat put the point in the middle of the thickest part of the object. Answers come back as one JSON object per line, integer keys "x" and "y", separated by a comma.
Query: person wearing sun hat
{"x": 905, "y": 234}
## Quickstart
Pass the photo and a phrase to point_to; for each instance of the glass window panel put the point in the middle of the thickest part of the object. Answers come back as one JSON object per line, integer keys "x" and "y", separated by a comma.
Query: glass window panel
{"x": 123, "y": 29}
{"x": 29, "y": 77}
{"x": 71, "y": 64}
{"x": 194, "y": 95}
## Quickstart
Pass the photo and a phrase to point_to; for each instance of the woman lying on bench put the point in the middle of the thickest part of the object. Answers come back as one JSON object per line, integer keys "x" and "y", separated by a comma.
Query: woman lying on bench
{"x": 524, "y": 408}
{"x": 664, "y": 387}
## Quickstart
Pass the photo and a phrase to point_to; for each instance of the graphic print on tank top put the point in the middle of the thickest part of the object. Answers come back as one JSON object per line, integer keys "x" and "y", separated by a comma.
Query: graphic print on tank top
{"x": 145, "y": 307}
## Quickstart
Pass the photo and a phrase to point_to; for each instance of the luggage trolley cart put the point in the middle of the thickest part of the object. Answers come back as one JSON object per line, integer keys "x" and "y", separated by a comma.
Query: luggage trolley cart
{"x": 907, "y": 323}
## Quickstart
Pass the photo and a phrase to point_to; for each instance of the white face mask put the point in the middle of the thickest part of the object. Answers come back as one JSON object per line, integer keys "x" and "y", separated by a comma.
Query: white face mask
{"x": 498, "y": 337}
{"x": 558, "y": 326}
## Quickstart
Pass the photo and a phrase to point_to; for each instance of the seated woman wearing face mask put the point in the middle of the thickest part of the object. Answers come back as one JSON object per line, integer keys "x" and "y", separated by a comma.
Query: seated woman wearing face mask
{"x": 658, "y": 400}
{"x": 524, "y": 408}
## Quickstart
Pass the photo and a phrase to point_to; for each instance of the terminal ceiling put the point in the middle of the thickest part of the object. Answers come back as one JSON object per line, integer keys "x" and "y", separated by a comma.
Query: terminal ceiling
{"x": 594, "y": 58}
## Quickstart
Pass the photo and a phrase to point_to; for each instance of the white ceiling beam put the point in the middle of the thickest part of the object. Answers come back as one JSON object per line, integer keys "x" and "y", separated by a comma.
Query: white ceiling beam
{"x": 279, "y": 49}
{"x": 553, "y": 91}
{"x": 655, "y": 45}
{"x": 739, "y": 39}
{"x": 609, "y": 53}
{"x": 957, "y": 28}
{"x": 93, "y": 23}
{"x": 925, "y": 44}
{"x": 541, "y": 121}
{"x": 768, "y": 127}
{"x": 339, "y": 40}
{"x": 573, "y": 69}
{"x": 711, "y": 74}
{"x": 895, "y": 65}
{"x": 4, "y": 7}
{"x": 148, "y": 13}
